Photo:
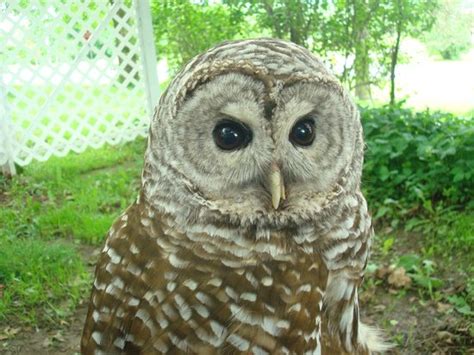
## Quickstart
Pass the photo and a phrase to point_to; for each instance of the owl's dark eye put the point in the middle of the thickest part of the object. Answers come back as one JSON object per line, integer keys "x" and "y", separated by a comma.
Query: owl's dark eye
{"x": 231, "y": 135}
{"x": 303, "y": 132}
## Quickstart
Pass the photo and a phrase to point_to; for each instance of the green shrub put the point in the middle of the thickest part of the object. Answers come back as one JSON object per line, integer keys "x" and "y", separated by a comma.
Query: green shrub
{"x": 417, "y": 161}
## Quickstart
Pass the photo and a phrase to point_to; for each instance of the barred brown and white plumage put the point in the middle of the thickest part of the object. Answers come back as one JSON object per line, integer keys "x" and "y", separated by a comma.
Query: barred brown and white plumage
{"x": 250, "y": 233}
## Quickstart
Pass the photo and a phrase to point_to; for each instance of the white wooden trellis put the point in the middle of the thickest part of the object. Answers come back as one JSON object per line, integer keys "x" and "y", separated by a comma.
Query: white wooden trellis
{"x": 73, "y": 75}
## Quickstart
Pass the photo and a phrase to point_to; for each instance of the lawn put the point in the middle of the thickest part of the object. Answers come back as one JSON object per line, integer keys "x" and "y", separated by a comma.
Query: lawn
{"x": 419, "y": 286}
{"x": 48, "y": 212}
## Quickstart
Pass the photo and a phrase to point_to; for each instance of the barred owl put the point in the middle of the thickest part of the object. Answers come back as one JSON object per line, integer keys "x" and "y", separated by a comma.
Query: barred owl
{"x": 250, "y": 233}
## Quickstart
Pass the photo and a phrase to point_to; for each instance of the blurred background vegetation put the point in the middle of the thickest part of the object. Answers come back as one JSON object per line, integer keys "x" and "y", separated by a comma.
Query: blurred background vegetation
{"x": 410, "y": 65}
{"x": 363, "y": 42}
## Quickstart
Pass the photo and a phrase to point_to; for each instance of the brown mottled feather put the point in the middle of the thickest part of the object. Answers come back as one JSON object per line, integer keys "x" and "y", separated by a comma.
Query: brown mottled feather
{"x": 150, "y": 269}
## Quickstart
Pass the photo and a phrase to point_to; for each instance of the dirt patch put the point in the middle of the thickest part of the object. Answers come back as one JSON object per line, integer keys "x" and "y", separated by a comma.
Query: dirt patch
{"x": 412, "y": 321}
{"x": 61, "y": 339}
{"x": 4, "y": 197}
{"x": 415, "y": 326}
{"x": 64, "y": 339}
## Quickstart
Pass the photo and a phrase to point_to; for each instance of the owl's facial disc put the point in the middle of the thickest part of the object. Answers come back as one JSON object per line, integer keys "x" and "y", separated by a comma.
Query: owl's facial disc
{"x": 244, "y": 162}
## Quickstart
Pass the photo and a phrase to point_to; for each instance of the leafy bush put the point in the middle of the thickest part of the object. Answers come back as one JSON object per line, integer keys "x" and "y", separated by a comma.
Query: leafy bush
{"x": 417, "y": 161}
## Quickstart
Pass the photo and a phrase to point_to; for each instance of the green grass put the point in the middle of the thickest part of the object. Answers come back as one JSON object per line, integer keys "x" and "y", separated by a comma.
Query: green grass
{"x": 454, "y": 233}
{"x": 42, "y": 281}
{"x": 76, "y": 197}
{"x": 47, "y": 212}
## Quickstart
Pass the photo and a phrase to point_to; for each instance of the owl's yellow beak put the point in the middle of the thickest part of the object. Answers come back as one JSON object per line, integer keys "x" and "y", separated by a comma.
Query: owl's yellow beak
{"x": 277, "y": 186}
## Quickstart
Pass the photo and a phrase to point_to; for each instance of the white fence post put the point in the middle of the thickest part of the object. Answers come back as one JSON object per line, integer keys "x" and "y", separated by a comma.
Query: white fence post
{"x": 147, "y": 44}
{"x": 6, "y": 135}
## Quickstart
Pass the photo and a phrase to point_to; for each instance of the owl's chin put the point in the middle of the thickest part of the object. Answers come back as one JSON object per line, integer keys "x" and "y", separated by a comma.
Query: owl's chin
{"x": 251, "y": 207}
{"x": 259, "y": 211}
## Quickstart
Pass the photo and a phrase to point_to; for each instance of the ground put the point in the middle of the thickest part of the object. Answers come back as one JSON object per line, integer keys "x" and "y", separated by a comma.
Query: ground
{"x": 59, "y": 340}
{"x": 413, "y": 324}
{"x": 421, "y": 305}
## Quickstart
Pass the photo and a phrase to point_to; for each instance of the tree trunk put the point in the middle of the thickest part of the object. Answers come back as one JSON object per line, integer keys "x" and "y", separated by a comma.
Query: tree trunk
{"x": 360, "y": 19}
{"x": 276, "y": 28}
{"x": 393, "y": 64}
{"x": 395, "y": 51}
{"x": 361, "y": 67}
{"x": 295, "y": 36}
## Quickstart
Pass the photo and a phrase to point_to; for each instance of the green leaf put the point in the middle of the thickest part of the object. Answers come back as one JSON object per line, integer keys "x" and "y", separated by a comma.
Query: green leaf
{"x": 409, "y": 261}
{"x": 460, "y": 304}
{"x": 427, "y": 281}
{"x": 387, "y": 245}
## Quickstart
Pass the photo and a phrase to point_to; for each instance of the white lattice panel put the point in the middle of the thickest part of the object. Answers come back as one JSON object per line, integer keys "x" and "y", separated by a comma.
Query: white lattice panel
{"x": 72, "y": 77}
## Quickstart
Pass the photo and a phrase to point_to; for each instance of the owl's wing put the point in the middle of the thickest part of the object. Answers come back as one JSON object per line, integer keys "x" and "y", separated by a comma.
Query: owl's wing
{"x": 120, "y": 287}
{"x": 346, "y": 255}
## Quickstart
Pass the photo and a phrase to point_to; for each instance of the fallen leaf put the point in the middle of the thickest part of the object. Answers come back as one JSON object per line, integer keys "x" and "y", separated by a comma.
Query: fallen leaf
{"x": 47, "y": 342}
{"x": 58, "y": 337}
{"x": 445, "y": 336}
{"x": 379, "y": 308}
{"x": 399, "y": 278}
{"x": 443, "y": 307}
{"x": 382, "y": 272}
{"x": 10, "y": 331}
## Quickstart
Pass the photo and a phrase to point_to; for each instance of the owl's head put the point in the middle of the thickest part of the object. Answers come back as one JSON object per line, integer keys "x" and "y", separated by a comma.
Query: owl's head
{"x": 252, "y": 130}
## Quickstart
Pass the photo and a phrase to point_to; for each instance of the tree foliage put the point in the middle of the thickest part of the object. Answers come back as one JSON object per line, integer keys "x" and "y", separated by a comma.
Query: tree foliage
{"x": 359, "y": 38}
{"x": 184, "y": 28}
{"x": 362, "y": 36}
{"x": 354, "y": 29}
{"x": 294, "y": 20}
{"x": 451, "y": 34}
